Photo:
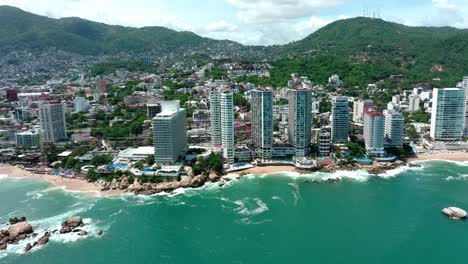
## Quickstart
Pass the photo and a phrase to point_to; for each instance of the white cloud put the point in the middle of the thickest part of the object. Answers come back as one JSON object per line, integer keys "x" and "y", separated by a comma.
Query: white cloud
{"x": 443, "y": 4}
{"x": 273, "y": 11}
{"x": 446, "y": 13}
{"x": 221, "y": 26}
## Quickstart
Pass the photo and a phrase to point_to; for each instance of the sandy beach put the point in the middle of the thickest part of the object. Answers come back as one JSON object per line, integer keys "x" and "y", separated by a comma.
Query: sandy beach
{"x": 68, "y": 184}
{"x": 269, "y": 169}
{"x": 451, "y": 156}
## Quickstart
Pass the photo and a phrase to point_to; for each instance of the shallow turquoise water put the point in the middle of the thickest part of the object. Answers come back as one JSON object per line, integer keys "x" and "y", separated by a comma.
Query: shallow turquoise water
{"x": 272, "y": 219}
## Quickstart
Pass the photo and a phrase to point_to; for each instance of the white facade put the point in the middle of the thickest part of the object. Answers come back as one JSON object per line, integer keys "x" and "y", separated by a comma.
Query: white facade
{"x": 358, "y": 110}
{"x": 262, "y": 125}
{"x": 374, "y": 128}
{"x": 53, "y": 122}
{"x": 447, "y": 114}
{"x": 300, "y": 120}
{"x": 465, "y": 89}
{"x": 169, "y": 133}
{"x": 215, "y": 118}
{"x": 227, "y": 126}
{"x": 80, "y": 105}
{"x": 340, "y": 119}
{"x": 394, "y": 128}
{"x": 413, "y": 102}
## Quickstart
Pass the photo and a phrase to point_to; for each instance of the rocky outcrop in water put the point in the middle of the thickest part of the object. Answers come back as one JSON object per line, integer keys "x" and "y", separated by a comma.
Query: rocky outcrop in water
{"x": 71, "y": 225}
{"x": 15, "y": 233}
{"x": 21, "y": 230}
{"x": 15, "y": 220}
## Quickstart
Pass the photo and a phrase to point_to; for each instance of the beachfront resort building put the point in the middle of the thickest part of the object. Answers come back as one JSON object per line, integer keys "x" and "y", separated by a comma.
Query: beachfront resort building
{"x": 170, "y": 133}
{"x": 300, "y": 120}
{"x": 374, "y": 129}
{"x": 53, "y": 123}
{"x": 447, "y": 114}
{"x": 340, "y": 119}
{"x": 262, "y": 122}
{"x": 215, "y": 118}
{"x": 227, "y": 125}
{"x": 465, "y": 89}
{"x": 222, "y": 121}
{"x": 394, "y": 128}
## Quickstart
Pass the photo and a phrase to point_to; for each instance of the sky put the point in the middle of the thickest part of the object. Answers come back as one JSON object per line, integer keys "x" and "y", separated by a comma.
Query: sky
{"x": 253, "y": 22}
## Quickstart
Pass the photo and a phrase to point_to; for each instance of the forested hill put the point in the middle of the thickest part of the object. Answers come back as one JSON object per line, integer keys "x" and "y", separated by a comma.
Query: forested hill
{"x": 383, "y": 48}
{"x": 20, "y": 29}
{"x": 361, "y": 44}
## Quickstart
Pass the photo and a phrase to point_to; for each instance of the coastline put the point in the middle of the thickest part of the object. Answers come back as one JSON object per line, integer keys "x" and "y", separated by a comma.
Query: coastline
{"x": 95, "y": 189}
{"x": 444, "y": 156}
{"x": 67, "y": 184}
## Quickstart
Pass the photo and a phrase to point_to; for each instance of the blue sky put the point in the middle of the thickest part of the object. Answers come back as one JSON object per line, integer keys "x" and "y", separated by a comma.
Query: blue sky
{"x": 257, "y": 22}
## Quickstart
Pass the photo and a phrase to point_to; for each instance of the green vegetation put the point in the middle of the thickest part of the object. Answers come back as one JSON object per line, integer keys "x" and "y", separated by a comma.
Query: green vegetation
{"x": 417, "y": 116}
{"x": 100, "y": 160}
{"x": 26, "y": 30}
{"x": 106, "y": 68}
{"x": 241, "y": 101}
{"x": 213, "y": 163}
{"x": 356, "y": 150}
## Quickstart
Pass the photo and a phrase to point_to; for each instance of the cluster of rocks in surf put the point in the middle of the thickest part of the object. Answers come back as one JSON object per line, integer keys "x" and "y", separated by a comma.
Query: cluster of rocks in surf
{"x": 154, "y": 188}
{"x": 19, "y": 229}
{"x": 375, "y": 169}
{"x": 197, "y": 181}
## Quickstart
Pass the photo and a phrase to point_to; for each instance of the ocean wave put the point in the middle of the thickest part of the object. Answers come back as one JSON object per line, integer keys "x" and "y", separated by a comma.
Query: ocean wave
{"x": 459, "y": 163}
{"x": 250, "y": 206}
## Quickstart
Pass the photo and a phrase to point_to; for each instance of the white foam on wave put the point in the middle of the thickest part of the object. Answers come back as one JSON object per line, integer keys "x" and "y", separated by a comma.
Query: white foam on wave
{"x": 243, "y": 206}
{"x": 459, "y": 163}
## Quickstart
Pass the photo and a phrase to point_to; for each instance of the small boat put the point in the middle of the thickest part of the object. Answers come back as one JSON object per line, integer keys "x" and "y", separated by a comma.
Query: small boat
{"x": 455, "y": 213}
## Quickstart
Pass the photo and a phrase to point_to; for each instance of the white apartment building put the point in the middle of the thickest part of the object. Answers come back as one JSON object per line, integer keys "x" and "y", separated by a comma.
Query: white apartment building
{"x": 394, "y": 128}
{"x": 413, "y": 102}
{"x": 80, "y": 105}
{"x": 358, "y": 110}
{"x": 300, "y": 120}
{"x": 374, "y": 129}
{"x": 170, "y": 133}
{"x": 262, "y": 122}
{"x": 227, "y": 125}
{"x": 53, "y": 122}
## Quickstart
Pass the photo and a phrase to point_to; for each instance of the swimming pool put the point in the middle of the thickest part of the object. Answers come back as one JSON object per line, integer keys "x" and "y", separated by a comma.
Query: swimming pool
{"x": 115, "y": 166}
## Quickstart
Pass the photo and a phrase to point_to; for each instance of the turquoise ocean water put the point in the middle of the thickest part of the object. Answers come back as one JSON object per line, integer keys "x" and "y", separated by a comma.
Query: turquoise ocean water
{"x": 270, "y": 219}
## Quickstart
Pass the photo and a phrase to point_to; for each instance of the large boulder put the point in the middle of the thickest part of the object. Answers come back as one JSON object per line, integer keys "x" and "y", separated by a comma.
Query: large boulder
{"x": 185, "y": 182}
{"x": 198, "y": 181}
{"x": 19, "y": 229}
{"x": 73, "y": 222}
{"x": 43, "y": 240}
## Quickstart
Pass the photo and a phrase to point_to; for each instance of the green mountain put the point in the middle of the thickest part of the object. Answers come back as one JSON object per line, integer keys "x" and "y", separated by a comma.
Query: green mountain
{"x": 420, "y": 53}
{"x": 359, "y": 49}
{"x": 21, "y": 29}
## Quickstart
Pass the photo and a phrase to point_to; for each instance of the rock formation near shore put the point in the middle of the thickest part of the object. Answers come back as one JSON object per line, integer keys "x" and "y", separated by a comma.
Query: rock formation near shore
{"x": 20, "y": 229}
{"x": 15, "y": 233}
